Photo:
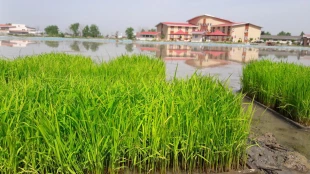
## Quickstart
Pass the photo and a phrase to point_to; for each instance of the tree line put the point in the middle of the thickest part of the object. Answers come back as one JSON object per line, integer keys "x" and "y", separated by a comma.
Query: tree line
{"x": 75, "y": 28}
{"x": 282, "y": 33}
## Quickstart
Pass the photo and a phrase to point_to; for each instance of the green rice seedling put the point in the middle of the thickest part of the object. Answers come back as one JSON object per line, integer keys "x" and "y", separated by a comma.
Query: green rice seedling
{"x": 64, "y": 114}
{"x": 280, "y": 85}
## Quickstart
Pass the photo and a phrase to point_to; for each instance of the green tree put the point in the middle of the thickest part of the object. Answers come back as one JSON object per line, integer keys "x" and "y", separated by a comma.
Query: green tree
{"x": 302, "y": 33}
{"x": 152, "y": 30}
{"x": 142, "y": 30}
{"x": 162, "y": 36}
{"x": 51, "y": 30}
{"x": 94, "y": 30}
{"x": 129, "y": 33}
{"x": 265, "y": 33}
{"x": 283, "y": 33}
{"x": 85, "y": 31}
{"x": 75, "y": 29}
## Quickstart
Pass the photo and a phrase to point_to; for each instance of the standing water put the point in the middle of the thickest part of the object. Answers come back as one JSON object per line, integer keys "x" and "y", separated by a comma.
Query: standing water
{"x": 223, "y": 61}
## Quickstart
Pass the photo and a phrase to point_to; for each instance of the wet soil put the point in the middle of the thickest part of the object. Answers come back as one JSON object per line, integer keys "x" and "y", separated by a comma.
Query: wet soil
{"x": 277, "y": 147}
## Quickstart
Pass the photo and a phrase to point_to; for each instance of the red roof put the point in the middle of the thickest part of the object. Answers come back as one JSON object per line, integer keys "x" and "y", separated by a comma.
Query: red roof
{"x": 178, "y": 58}
{"x": 148, "y": 49}
{"x": 216, "y": 33}
{"x": 148, "y": 33}
{"x": 180, "y": 32}
{"x": 215, "y": 53}
{"x": 6, "y": 25}
{"x": 207, "y": 15}
{"x": 224, "y": 25}
{"x": 181, "y": 24}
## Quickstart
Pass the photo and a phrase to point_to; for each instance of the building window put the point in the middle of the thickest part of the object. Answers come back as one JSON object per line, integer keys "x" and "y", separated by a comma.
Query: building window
{"x": 223, "y": 29}
{"x": 186, "y": 29}
{"x": 228, "y": 30}
{"x": 172, "y": 27}
{"x": 179, "y": 28}
{"x": 219, "y": 28}
{"x": 196, "y": 36}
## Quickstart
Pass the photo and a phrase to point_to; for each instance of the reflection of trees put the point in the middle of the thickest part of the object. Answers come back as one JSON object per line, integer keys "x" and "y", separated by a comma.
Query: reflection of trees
{"x": 129, "y": 47}
{"x": 91, "y": 45}
{"x": 53, "y": 44}
{"x": 75, "y": 46}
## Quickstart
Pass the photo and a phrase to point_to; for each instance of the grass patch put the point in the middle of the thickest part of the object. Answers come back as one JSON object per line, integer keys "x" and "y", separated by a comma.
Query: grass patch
{"x": 282, "y": 86}
{"x": 62, "y": 113}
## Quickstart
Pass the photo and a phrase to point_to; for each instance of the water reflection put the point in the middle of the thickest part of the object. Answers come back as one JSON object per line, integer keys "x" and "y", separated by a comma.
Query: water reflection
{"x": 16, "y": 43}
{"x": 129, "y": 48}
{"x": 202, "y": 56}
{"x": 75, "y": 46}
{"x": 52, "y": 44}
{"x": 91, "y": 45}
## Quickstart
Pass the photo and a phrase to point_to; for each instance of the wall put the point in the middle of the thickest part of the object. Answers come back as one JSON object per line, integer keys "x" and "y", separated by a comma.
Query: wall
{"x": 19, "y": 27}
{"x": 206, "y": 20}
{"x": 238, "y": 33}
{"x": 198, "y": 39}
{"x": 254, "y": 32}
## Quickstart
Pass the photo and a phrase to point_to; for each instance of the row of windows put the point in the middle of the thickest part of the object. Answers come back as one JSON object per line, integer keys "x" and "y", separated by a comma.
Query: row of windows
{"x": 223, "y": 29}
{"x": 180, "y": 28}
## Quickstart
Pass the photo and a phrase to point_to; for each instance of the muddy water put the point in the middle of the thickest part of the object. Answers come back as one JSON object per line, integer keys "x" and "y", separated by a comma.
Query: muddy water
{"x": 286, "y": 134}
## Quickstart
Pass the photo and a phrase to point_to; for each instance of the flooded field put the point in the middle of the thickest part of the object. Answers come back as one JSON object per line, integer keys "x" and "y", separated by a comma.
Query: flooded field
{"x": 182, "y": 60}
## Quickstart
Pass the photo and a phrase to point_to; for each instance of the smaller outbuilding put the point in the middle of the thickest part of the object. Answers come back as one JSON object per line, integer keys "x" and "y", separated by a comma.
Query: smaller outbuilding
{"x": 148, "y": 35}
{"x": 306, "y": 40}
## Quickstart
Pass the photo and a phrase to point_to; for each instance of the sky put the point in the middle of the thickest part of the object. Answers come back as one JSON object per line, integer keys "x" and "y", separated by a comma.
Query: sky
{"x": 116, "y": 15}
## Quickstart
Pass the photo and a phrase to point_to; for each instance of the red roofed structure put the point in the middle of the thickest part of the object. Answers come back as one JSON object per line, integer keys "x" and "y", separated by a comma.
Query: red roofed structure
{"x": 204, "y": 28}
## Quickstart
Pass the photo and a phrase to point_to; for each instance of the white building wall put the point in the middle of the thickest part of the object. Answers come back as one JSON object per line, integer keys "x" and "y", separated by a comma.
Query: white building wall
{"x": 196, "y": 38}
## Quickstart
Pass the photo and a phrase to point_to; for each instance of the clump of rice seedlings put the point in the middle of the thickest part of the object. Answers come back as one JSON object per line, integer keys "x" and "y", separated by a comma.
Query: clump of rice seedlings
{"x": 282, "y": 86}
{"x": 63, "y": 114}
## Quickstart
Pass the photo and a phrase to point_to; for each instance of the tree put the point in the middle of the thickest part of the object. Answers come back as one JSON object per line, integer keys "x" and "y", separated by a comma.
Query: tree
{"x": 75, "y": 29}
{"x": 142, "y": 30}
{"x": 116, "y": 35}
{"x": 282, "y": 33}
{"x": 51, "y": 30}
{"x": 265, "y": 33}
{"x": 94, "y": 31}
{"x": 85, "y": 31}
{"x": 302, "y": 33}
{"x": 152, "y": 30}
{"x": 129, "y": 33}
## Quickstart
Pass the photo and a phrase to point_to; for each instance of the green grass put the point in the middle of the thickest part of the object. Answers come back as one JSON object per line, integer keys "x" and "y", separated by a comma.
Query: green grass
{"x": 282, "y": 86}
{"x": 62, "y": 113}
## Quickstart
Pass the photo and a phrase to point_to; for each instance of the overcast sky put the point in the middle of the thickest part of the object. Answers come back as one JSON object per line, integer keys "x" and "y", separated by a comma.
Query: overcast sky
{"x": 116, "y": 15}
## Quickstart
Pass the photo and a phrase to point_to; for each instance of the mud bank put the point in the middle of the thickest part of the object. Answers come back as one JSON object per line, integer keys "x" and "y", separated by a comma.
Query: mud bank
{"x": 277, "y": 146}
{"x": 269, "y": 156}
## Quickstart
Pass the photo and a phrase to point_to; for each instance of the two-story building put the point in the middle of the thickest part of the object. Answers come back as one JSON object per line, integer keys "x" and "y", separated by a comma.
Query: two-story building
{"x": 207, "y": 28}
{"x": 17, "y": 29}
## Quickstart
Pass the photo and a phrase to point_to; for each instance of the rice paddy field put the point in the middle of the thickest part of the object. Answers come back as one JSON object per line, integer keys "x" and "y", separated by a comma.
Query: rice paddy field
{"x": 282, "y": 86}
{"x": 62, "y": 113}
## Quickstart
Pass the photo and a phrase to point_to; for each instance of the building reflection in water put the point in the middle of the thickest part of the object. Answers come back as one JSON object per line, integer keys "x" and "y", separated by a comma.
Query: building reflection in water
{"x": 201, "y": 57}
{"x": 16, "y": 43}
